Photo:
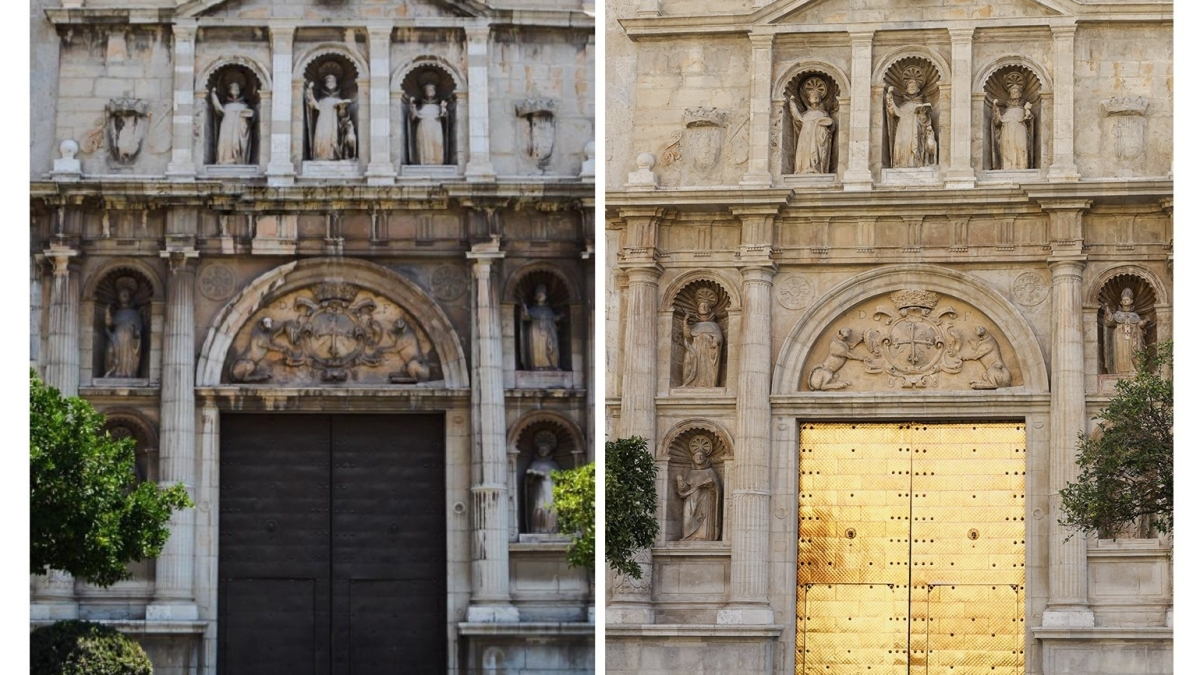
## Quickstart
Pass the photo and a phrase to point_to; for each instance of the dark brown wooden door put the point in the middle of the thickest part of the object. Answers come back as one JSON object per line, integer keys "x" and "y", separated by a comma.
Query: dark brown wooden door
{"x": 332, "y": 551}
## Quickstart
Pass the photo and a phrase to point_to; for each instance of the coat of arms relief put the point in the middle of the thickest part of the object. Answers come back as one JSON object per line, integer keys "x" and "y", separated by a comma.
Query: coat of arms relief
{"x": 333, "y": 332}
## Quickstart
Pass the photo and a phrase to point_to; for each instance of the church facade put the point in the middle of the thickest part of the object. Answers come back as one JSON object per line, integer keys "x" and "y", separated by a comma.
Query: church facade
{"x": 329, "y": 264}
{"x": 872, "y": 269}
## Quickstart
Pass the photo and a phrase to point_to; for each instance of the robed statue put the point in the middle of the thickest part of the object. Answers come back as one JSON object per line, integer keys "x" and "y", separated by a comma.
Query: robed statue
{"x": 814, "y": 128}
{"x": 702, "y": 340}
{"x": 430, "y": 119}
{"x": 700, "y": 490}
{"x": 1126, "y": 336}
{"x": 910, "y": 123}
{"x": 233, "y": 132}
{"x": 123, "y": 328}
{"x": 540, "y": 332}
{"x": 1012, "y": 139}
{"x": 331, "y": 134}
{"x": 539, "y": 485}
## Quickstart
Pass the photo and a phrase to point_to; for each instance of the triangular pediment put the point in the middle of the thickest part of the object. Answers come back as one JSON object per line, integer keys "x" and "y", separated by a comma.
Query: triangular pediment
{"x": 834, "y": 12}
{"x": 323, "y": 10}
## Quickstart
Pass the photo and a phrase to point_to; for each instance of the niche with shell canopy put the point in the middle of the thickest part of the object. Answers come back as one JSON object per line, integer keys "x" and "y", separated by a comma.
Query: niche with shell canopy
{"x": 128, "y": 424}
{"x": 337, "y": 139}
{"x": 696, "y": 481}
{"x": 1012, "y": 118}
{"x": 1127, "y": 323}
{"x": 912, "y": 128}
{"x": 121, "y": 325}
{"x": 231, "y": 131}
{"x": 544, "y": 444}
{"x": 430, "y": 110}
{"x": 700, "y": 335}
{"x": 543, "y": 335}
{"x": 809, "y": 139}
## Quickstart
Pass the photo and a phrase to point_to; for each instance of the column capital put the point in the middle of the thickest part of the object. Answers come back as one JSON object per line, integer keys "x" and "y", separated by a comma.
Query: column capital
{"x": 478, "y": 32}
{"x": 1063, "y": 31}
{"x": 643, "y": 273}
{"x": 759, "y": 271}
{"x": 184, "y": 28}
{"x": 1064, "y": 204}
{"x": 60, "y": 256}
{"x": 1067, "y": 265}
{"x": 380, "y": 30}
{"x": 859, "y": 37}
{"x": 962, "y": 34}
{"x": 282, "y": 32}
{"x": 178, "y": 258}
{"x": 762, "y": 40}
{"x": 484, "y": 253}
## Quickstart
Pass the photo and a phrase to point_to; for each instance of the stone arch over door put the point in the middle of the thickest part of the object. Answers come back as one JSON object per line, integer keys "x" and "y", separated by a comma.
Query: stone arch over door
{"x": 790, "y": 375}
{"x": 232, "y": 319}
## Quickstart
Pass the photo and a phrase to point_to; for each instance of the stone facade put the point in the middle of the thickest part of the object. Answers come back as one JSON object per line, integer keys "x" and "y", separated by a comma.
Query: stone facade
{"x": 323, "y": 207}
{"x": 971, "y": 182}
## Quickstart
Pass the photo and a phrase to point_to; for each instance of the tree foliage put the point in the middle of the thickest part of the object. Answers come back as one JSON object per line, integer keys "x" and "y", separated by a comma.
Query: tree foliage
{"x": 1126, "y": 468}
{"x": 87, "y": 514}
{"x": 630, "y": 503}
{"x": 85, "y": 648}
{"x": 575, "y": 506}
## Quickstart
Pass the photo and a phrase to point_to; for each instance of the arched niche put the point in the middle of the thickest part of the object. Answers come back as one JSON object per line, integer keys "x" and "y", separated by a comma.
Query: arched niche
{"x": 315, "y": 303}
{"x": 239, "y": 116}
{"x": 1020, "y": 120}
{"x": 429, "y": 96}
{"x": 349, "y": 75}
{"x": 700, "y": 334}
{"x": 1127, "y": 321}
{"x": 852, "y": 305}
{"x": 794, "y": 91}
{"x": 915, "y": 116}
{"x": 567, "y": 452}
{"x": 524, "y": 320}
{"x": 121, "y": 308}
{"x": 704, "y": 483}
{"x": 121, "y": 423}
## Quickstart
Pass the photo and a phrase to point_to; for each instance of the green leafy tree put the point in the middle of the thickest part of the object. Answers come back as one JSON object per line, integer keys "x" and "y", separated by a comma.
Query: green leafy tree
{"x": 85, "y": 648}
{"x": 630, "y": 502}
{"x": 575, "y": 506}
{"x": 87, "y": 514}
{"x": 1126, "y": 468}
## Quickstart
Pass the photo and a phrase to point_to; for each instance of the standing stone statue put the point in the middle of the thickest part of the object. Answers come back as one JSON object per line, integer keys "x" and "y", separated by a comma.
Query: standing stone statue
{"x": 539, "y": 485}
{"x": 428, "y": 115}
{"x": 814, "y": 128}
{"x": 702, "y": 339}
{"x": 914, "y": 144}
{"x": 541, "y": 333}
{"x": 1126, "y": 335}
{"x": 123, "y": 354}
{"x": 330, "y": 129}
{"x": 233, "y": 134}
{"x": 700, "y": 489}
{"x": 1012, "y": 142}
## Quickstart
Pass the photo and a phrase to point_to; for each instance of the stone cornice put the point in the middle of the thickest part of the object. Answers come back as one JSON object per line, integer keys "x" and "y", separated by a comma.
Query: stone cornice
{"x": 476, "y": 14}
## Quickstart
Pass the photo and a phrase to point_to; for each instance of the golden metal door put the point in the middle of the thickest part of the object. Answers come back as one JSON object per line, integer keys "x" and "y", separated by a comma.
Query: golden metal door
{"x": 911, "y": 549}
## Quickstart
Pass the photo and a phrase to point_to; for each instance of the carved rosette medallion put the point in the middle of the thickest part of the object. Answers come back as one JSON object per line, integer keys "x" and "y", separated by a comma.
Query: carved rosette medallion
{"x": 1030, "y": 289}
{"x": 333, "y": 332}
{"x": 217, "y": 281}
{"x": 448, "y": 283}
{"x": 915, "y": 344}
{"x": 795, "y": 292}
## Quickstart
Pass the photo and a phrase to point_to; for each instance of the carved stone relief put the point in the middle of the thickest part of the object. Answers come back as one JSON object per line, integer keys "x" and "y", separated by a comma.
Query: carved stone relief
{"x": 1030, "y": 289}
{"x": 333, "y": 332}
{"x": 700, "y": 327}
{"x": 701, "y": 143}
{"x": 910, "y": 106}
{"x": 1125, "y": 133}
{"x": 537, "y": 116}
{"x": 128, "y": 120}
{"x": 123, "y": 309}
{"x": 448, "y": 283}
{"x": 1126, "y": 323}
{"x": 794, "y": 292}
{"x": 217, "y": 281}
{"x": 911, "y": 340}
{"x": 330, "y": 110}
{"x": 695, "y": 474}
{"x": 813, "y": 127}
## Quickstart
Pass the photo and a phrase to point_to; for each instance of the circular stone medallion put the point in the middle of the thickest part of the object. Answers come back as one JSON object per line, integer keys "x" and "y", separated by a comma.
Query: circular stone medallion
{"x": 795, "y": 292}
{"x": 217, "y": 281}
{"x": 448, "y": 282}
{"x": 1030, "y": 289}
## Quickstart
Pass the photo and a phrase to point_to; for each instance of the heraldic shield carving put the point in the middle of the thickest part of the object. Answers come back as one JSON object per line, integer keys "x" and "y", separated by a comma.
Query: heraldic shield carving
{"x": 333, "y": 332}
{"x": 914, "y": 343}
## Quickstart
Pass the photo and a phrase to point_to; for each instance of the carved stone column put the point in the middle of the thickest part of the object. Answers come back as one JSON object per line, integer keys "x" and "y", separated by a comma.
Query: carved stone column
{"x": 280, "y": 170}
{"x": 750, "y": 485}
{"x": 380, "y": 170}
{"x": 757, "y": 173}
{"x": 174, "y": 591}
{"x": 1063, "y": 167}
{"x": 858, "y": 165}
{"x": 1068, "y": 560}
{"x": 479, "y": 159}
{"x": 182, "y": 166}
{"x": 490, "y": 601}
{"x": 960, "y": 174}
{"x": 639, "y": 377}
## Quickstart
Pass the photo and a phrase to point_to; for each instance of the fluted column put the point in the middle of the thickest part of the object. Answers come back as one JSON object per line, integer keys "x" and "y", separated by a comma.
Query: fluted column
{"x": 174, "y": 590}
{"x": 182, "y": 165}
{"x": 479, "y": 159}
{"x": 757, "y": 173}
{"x": 750, "y": 485}
{"x": 1063, "y": 167}
{"x": 1068, "y": 560}
{"x": 858, "y": 167}
{"x": 960, "y": 175}
{"x": 490, "y": 600}
{"x": 380, "y": 170}
{"x": 280, "y": 170}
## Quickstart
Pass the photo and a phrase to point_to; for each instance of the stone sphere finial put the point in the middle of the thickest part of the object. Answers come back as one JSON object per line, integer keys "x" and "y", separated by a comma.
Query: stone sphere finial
{"x": 645, "y": 161}
{"x": 69, "y": 148}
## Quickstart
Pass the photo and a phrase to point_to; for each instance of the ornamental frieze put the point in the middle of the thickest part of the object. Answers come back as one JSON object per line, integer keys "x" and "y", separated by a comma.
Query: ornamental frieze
{"x": 910, "y": 339}
{"x": 333, "y": 332}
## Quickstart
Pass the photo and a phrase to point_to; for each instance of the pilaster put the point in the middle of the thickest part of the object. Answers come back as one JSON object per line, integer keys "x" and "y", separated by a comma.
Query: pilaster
{"x": 757, "y": 173}
{"x": 174, "y": 592}
{"x": 490, "y": 600}
{"x": 380, "y": 170}
{"x": 479, "y": 159}
{"x": 182, "y": 165}
{"x": 1068, "y": 606}
{"x": 1063, "y": 167}
{"x": 281, "y": 171}
{"x": 858, "y": 167}
{"x": 960, "y": 175}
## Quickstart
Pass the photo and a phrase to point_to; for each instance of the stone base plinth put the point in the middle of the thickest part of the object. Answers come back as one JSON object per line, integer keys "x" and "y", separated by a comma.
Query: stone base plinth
{"x": 231, "y": 171}
{"x": 1011, "y": 177}
{"x": 342, "y": 169}
{"x": 928, "y": 176}
{"x": 809, "y": 180}
{"x": 429, "y": 171}
{"x": 544, "y": 379}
